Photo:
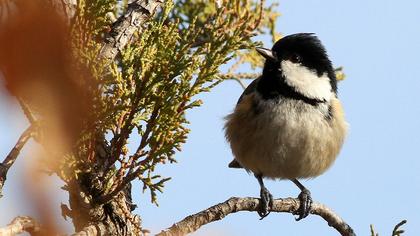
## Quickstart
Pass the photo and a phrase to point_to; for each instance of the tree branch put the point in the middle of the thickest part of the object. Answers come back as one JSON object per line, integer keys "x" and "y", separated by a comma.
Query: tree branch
{"x": 234, "y": 204}
{"x": 13, "y": 154}
{"x": 20, "y": 225}
{"x": 126, "y": 25}
{"x": 239, "y": 76}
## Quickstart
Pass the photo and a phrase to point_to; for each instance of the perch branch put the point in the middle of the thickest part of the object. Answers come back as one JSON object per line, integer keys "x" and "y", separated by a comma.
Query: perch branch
{"x": 20, "y": 225}
{"x": 234, "y": 204}
{"x": 13, "y": 154}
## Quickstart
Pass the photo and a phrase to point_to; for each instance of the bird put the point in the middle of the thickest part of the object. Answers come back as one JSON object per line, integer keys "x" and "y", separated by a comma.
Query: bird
{"x": 288, "y": 124}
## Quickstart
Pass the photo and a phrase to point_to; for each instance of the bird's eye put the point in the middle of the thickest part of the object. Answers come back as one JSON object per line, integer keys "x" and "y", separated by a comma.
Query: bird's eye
{"x": 295, "y": 58}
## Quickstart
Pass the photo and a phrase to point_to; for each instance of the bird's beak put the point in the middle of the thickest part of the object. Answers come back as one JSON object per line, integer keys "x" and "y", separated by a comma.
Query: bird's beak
{"x": 266, "y": 53}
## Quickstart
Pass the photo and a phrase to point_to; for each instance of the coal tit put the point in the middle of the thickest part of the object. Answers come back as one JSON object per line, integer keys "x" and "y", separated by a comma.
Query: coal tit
{"x": 288, "y": 123}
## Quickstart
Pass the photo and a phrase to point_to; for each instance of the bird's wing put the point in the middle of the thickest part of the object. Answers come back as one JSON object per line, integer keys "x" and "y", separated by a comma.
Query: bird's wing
{"x": 250, "y": 89}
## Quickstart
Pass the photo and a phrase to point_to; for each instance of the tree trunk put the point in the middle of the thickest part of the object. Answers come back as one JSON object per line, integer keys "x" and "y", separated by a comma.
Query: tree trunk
{"x": 112, "y": 218}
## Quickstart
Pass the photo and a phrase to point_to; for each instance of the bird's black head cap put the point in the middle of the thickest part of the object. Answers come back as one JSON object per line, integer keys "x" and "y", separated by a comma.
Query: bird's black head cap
{"x": 306, "y": 49}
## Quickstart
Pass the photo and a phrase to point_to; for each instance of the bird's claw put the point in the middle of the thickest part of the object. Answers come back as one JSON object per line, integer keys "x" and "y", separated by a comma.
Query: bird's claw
{"x": 266, "y": 203}
{"x": 305, "y": 204}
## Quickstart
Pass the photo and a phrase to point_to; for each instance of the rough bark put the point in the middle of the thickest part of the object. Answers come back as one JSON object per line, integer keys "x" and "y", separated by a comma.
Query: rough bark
{"x": 190, "y": 223}
{"x": 90, "y": 218}
{"x": 221, "y": 210}
{"x": 125, "y": 26}
{"x": 113, "y": 217}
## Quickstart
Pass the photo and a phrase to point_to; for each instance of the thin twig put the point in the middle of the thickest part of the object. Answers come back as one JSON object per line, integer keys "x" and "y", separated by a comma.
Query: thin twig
{"x": 234, "y": 204}
{"x": 397, "y": 231}
{"x": 28, "y": 113}
{"x": 120, "y": 138}
{"x": 149, "y": 127}
{"x": 260, "y": 16}
{"x": 13, "y": 154}
{"x": 372, "y": 231}
{"x": 239, "y": 76}
{"x": 125, "y": 181}
{"x": 122, "y": 183}
{"x": 240, "y": 82}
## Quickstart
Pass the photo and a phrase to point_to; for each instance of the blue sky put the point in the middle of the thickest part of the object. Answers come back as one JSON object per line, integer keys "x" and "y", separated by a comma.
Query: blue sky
{"x": 375, "y": 178}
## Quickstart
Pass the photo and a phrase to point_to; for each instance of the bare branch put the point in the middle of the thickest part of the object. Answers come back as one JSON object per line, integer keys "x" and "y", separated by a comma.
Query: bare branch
{"x": 123, "y": 29}
{"x": 13, "y": 154}
{"x": 20, "y": 225}
{"x": 240, "y": 82}
{"x": 397, "y": 229}
{"x": 234, "y": 204}
{"x": 239, "y": 76}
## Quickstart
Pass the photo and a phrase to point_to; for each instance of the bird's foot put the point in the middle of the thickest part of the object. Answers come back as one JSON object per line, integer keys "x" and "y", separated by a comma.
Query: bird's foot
{"x": 266, "y": 203}
{"x": 305, "y": 204}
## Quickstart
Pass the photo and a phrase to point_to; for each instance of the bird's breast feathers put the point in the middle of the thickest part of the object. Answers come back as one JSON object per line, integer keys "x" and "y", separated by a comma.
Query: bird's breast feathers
{"x": 285, "y": 138}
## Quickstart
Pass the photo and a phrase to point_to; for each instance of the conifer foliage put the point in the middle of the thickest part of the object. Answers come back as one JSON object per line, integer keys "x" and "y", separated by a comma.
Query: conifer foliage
{"x": 93, "y": 76}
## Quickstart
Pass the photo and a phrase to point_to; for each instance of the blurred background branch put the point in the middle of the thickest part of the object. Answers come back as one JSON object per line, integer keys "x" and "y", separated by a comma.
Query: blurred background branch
{"x": 21, "y": 224}
{"x": 13, "y": 154}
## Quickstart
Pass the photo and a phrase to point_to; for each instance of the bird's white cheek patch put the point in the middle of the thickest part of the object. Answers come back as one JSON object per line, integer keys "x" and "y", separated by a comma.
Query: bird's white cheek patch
{"x": 306, "y": 81}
